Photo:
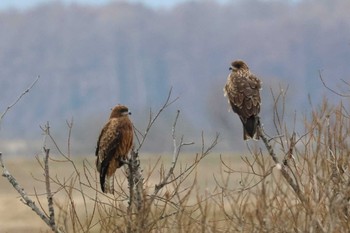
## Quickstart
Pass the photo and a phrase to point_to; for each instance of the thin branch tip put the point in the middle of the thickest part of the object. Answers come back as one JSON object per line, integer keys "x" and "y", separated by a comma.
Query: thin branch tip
{"x": 330, "y": 89}
{"x": 18, "y": 98}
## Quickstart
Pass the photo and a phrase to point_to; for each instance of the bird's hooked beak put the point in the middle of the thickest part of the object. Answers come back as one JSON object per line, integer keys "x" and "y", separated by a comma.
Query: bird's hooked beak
{"x": 126, "y": 113}
{"x": 232, "y": 68}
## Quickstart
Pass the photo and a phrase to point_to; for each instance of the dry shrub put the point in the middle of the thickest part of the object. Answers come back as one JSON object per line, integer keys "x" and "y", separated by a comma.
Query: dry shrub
{"x": 307, "y": 192}
{"x": 138, "y": 204}
{"x": 293, "y": 182}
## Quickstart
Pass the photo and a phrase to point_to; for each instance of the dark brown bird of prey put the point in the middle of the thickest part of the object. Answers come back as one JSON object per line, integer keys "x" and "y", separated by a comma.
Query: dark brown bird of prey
{"x": 113, "y": 146}
{"x": 243, "y": 92}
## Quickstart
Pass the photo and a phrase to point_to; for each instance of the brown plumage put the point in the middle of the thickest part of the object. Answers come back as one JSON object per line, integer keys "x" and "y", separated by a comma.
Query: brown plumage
{"x": 113, "y": 146}
{"x": 243, "y": 92}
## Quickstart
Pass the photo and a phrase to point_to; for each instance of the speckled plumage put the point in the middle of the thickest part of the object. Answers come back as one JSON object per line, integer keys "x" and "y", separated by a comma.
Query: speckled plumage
{"x": 243, "y": 92}
{"x": 113, "y": 146}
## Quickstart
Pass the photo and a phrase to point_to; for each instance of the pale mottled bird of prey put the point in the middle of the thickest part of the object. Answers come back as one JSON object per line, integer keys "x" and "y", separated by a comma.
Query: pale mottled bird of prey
{"x": 243, "y": 92}
{"x": 113, "y": 146}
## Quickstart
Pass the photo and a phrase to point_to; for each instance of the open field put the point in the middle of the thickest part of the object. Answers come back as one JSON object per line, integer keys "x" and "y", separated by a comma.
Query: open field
{"x": 17, "y": 217}
{"x": 295, "y": 183}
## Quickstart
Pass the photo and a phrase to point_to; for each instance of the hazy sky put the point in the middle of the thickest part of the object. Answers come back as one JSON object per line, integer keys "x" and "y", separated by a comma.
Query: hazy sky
{"x": 23, "y": 4}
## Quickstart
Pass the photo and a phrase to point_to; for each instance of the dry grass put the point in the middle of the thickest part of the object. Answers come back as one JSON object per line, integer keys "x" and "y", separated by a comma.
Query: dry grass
{"x": 15, "y": 216}
{"x": 294, "y": 182}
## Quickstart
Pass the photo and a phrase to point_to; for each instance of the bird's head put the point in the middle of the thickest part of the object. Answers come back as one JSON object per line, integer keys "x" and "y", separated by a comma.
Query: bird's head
{"x": 119, "y": 111}
{"x": 238, "y": 65}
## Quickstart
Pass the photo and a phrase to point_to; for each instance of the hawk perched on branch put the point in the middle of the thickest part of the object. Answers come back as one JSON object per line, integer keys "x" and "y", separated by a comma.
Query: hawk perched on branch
{"x": 113, "y": 146}
{"x": 242, "y": 90}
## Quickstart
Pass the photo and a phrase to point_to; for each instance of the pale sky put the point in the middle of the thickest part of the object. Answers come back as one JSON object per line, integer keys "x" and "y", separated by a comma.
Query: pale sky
{"x": 23, "y": 4}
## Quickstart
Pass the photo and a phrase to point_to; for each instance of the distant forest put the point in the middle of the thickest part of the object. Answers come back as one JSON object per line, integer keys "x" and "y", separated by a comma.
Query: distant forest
{"x": 92, "y": 58}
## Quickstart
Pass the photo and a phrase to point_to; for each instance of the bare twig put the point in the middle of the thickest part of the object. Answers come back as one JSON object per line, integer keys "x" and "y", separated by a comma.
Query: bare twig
{"x": 24, "y": 195}
{"x": 295, "y": 186}
{"x": 135, "y": 178}
{"x": 152, "y": 119}
{"x": 330, "y": 89}
{"x": 176, "y": 153}
{"x": 47, "y": 133}
{"x": 18, "y": 99}
{"x": 292, "y": 182}
{"x": 70, "y": 126}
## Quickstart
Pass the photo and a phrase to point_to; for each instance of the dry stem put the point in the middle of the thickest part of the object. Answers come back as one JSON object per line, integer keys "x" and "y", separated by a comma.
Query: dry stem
{"x": 26, "y": 200}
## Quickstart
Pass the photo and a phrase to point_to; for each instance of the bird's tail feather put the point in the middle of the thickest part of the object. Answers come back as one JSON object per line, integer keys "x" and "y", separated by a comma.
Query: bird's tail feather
{"x": 250, "y": 127}
{"x": 109, "y": 185}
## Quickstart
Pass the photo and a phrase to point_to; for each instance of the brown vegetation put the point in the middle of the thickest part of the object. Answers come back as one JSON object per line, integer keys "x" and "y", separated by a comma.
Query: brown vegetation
{"x": 299, "y": 183}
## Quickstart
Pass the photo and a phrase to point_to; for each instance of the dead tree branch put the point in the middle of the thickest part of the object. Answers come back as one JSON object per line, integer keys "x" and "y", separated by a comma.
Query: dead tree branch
{"x": 18, "y": 99}
{"x": 282, "y": 167}
{"x": 135, "y": 178}
{"x": 135, "y": 182}
{"x": 176, "y": 153}
{"x": 332, "y": 90}
{"x": 152, "y": 119}
{"x": 292, "y": 182}
{"x": 26, "y": 200}
{"x": 48, "y": 190}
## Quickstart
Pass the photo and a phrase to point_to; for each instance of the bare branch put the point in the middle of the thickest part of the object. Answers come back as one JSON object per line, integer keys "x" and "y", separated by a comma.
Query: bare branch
{"x": 70, "y": 126}
{"x": 135, "y": 182}
{"x": 283, "y": 169}
{"x": 152, "y": 119}
{"x": 18, "y": 99}
{"x": 176, "y": 153}
{"x": 48, "y": 189}
{"x": 24, "y": 195}
{"x": 330, "y": 89}
{"x": 47, "y": 133}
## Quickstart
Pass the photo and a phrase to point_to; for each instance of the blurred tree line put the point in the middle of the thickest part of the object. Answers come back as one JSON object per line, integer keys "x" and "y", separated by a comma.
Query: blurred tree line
{"x": 92, "y": 58}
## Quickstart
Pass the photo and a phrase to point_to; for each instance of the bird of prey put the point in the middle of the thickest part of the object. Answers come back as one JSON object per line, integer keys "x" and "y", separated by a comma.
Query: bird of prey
{"x": 113, "y": 146}
{"x": 243, "y": 92}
